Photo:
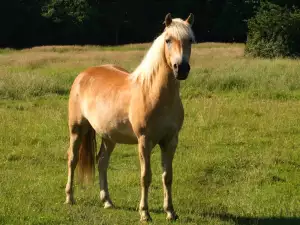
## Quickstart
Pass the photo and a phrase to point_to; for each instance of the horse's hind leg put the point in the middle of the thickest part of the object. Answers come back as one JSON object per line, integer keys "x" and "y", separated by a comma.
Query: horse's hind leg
{"x": 168, "y": 148}
{"x": 73, "y": 155}
{"x": 103, "y": 160}
{"x": 77, "y": 128}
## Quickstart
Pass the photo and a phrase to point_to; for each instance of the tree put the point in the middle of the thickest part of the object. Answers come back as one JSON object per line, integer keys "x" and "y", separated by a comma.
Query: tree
{"x": 274, "y": 31}
{"x": 26, "y": 23}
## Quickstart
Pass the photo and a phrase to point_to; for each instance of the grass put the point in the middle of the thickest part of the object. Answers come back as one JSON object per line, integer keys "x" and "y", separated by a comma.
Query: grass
{"x": 237, "y": 161}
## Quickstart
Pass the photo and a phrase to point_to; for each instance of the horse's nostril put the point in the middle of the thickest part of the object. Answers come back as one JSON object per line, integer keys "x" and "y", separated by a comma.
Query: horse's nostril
{"x": 188, "y": 67}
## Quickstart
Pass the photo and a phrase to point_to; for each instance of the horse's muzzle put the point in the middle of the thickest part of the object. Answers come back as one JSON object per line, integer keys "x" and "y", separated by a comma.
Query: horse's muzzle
{"x": 181, "y": 71}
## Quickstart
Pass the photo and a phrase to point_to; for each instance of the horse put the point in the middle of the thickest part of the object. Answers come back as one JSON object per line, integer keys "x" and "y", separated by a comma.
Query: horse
{"x": 143, "y": 107}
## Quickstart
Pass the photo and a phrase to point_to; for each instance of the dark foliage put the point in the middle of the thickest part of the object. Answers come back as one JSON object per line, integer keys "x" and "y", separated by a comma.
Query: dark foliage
{"x": 27, "y": 23}
{"x": 274, "y": 31}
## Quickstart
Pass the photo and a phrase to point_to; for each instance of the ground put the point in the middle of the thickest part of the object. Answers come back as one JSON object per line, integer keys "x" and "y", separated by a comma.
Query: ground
{"x": 238, "y": 159}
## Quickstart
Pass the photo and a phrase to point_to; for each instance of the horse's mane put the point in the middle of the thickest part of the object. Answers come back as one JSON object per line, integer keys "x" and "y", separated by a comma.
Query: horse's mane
{"x": 155, "y": 55}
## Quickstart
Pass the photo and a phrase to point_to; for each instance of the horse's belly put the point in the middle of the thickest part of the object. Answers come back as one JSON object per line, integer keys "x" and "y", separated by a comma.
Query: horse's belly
{"x": 119, "y": 131}
{"x": 122, "y": 133}
{"x": 110, "y": 120}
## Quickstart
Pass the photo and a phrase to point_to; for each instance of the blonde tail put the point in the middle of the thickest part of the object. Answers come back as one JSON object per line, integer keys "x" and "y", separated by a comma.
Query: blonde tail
{"x": 86, "y": 161}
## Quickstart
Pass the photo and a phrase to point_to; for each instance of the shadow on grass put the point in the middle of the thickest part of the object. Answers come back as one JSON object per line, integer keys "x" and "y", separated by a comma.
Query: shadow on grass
{"x": 226, "y": 217}
{"x": 244, "y": 220}
{"x": 136, "y": 209}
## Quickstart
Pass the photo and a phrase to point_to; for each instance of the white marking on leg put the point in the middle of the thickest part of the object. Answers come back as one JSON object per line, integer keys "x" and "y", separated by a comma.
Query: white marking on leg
{"x": 103, "y": 162}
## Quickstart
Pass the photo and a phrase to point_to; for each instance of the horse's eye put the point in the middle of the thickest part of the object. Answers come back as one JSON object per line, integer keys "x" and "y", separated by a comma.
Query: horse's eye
{"x": 168, "y": 41}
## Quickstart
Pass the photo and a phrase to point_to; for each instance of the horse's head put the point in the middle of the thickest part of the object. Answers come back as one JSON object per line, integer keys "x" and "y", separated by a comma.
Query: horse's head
{"x": 178, "y": 40}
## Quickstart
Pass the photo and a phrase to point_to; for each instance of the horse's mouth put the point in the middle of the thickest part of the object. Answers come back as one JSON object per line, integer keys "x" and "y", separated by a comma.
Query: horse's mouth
{"x": 181, "y": 76}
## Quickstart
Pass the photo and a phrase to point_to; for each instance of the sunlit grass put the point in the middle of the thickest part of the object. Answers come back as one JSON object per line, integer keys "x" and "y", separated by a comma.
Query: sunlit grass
{"x": 238, "y": 160}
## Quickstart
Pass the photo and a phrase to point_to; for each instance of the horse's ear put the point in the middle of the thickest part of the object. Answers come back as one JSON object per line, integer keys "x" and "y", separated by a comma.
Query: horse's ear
{"x": 168, "y": 20}
{"x": 190, "y": 19}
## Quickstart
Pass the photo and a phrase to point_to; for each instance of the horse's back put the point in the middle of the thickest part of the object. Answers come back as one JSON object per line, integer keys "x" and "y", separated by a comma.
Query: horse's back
{"x": 108, "y": 68}
{"x": 106, "y": 73}
{"x": 98, "y": 78}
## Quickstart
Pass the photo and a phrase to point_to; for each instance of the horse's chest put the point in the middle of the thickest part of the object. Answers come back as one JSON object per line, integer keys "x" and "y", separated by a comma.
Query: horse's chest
{"x": 159, "y": 122}
{"x": 167, "y": 121}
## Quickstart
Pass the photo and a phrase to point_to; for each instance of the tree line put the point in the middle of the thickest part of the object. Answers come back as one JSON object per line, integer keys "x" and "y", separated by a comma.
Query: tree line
{"x": 26, "y": 23}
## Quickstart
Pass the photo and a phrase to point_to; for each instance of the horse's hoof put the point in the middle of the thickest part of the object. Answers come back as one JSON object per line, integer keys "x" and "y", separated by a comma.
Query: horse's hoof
{"x": 172, "y": 216}
{"x": 145, "y": 216}
{"x": 70, "y": 201}
{"x": 108, "y": 205}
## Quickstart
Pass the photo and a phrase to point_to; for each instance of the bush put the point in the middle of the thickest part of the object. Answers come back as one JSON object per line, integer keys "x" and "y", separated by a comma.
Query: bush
{"x": 274, "y": 32}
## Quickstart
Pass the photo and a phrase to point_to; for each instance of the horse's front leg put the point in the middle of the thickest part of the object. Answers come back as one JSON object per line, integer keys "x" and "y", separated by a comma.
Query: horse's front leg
{"x": 168, "y": 148}
{"x": 145, "y": 148}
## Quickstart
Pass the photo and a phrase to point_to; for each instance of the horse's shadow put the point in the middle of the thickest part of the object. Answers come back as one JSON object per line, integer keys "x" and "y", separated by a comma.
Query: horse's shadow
{"x": 227, "y": 217}
{"x": 244, "y": 220}
{"x": 238, "y": 220}
{"x": 135, "y": 209}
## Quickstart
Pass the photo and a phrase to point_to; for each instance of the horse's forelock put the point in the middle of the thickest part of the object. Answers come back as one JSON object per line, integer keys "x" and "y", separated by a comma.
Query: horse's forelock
{"x": 180, "y": 30}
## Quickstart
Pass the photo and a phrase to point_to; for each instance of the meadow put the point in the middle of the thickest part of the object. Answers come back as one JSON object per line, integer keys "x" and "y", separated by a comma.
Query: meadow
{"x": 238, "y": 159}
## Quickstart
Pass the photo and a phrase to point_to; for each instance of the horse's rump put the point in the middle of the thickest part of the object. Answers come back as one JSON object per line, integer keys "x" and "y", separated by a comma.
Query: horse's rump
{"x": 104, "y": 94}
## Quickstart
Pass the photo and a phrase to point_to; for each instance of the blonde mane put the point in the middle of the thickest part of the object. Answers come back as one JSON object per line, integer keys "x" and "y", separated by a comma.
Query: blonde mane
{"x": 149, "y": 66}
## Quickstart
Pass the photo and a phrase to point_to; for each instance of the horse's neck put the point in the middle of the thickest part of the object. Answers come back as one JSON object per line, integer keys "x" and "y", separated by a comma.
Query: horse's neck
{"x": 164, "y": 87}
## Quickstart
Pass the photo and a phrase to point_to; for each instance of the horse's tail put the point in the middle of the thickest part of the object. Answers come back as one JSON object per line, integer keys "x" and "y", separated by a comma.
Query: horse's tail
{"x": 86, "y": 161}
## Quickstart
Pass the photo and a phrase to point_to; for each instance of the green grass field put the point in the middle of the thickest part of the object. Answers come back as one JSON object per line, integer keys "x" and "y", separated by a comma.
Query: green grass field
{"x": 238, "y": 161}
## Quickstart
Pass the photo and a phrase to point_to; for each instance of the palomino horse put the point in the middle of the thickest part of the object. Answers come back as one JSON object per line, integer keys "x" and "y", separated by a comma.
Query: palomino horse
{"x": 143, "y": 107}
